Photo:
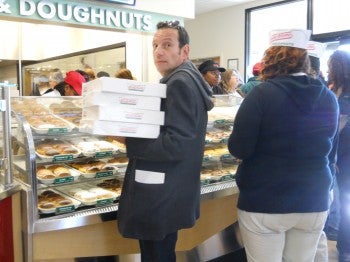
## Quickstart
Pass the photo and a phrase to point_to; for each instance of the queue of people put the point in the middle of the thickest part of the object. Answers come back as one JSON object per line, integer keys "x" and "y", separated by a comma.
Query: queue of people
{"x": 286, "y": 175}
{"x": 285, "y": 134}
{"x": 291, "y": 134}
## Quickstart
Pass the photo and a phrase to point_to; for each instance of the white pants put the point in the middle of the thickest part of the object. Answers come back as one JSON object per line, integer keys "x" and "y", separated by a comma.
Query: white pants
{"x": 322, "y": 249}
{"x": 281, "y": 237}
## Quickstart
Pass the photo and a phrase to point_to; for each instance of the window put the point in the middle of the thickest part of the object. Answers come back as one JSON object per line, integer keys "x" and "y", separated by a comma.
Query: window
{"x": 261, "y": 20}
{"x": 330, "y": 16}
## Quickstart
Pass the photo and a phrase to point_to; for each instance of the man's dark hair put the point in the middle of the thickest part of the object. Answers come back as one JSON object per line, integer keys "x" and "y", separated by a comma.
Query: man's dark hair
{"x": 102, "y": 73}
{"x": 315, "y": 64}
{"x": 184, "y": 39}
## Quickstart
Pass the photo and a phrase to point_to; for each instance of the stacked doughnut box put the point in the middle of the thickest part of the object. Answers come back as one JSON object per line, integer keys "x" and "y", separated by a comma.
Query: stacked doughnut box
{"x": 122, "y": 107}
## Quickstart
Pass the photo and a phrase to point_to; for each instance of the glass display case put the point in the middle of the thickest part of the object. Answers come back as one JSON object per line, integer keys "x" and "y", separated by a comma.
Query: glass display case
{"x": 72, "y": 179}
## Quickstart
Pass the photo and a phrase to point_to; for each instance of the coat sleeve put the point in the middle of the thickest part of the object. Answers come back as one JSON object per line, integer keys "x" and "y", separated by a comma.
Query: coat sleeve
{"x": 179, "y": 127}
{"x": 246, "y": 127}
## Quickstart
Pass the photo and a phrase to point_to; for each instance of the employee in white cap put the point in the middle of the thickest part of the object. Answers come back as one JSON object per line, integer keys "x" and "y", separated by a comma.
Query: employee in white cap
{"x": 211, "y": 72}
{"x": 316, "y": 51}
{"x": 284, "y": 133}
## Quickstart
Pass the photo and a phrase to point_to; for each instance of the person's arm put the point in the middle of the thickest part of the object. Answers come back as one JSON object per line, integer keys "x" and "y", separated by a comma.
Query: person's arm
{"x": 179, "y": 127}
{"x": 244, "y": 136}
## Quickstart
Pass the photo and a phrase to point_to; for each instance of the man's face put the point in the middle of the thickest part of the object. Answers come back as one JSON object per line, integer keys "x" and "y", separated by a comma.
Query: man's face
{"x": 167, "y": 54}
{"x": 212, "y": 77}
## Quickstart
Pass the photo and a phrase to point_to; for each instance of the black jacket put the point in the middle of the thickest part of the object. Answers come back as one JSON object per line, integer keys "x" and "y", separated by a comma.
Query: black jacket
{"x": 171, "y": 163}
{"x": 343, "y": 161}
{"x": 285, "y": 133}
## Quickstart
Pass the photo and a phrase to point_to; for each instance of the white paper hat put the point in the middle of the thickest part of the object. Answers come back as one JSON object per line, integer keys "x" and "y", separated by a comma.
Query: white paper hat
{"x": 316, "y": 49}
{"x": 290, "y": 37}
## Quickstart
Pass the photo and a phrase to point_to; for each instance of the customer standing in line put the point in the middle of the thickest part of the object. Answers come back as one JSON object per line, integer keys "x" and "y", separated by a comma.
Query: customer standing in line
{"x": 124, "y": 73}
{"x": 161, "y": 190}
{"x": 315, "y": 51}
{"x": 252, "y": 81}
{"x": 285, "y": 134}
{"x": 339, "y": 81}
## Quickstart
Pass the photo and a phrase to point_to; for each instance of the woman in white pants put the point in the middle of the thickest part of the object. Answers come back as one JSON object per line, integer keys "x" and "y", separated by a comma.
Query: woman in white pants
{"x": 285, "y": 133}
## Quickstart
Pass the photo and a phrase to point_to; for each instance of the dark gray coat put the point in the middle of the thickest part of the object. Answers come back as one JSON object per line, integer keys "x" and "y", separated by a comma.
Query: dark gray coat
{"x": 166, "y": 194}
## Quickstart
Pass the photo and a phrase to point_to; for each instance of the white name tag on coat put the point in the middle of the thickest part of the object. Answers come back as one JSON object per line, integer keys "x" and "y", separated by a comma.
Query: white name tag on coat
{"x": 149, "y": 177}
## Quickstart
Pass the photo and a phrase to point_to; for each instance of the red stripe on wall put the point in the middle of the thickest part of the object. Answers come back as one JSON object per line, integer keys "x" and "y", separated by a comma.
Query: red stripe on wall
{"x": 6, "y": 233}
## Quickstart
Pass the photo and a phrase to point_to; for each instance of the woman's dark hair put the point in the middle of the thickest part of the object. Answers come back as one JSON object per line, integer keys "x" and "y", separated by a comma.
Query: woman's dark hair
{"x": 284, "y": 60}
{"x": 339, "y": 71}
{"x": 124, "y": 73}
{"x": 184, "y": 39}
{"x": 84, "y": 74}
{"x": 60, "y": 87}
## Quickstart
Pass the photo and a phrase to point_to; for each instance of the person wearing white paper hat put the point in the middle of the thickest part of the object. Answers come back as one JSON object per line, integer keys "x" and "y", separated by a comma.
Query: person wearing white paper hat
{"x": 161, "y": 189}
{"x": 284, "y": 133}
{"x": 316, "y": 51}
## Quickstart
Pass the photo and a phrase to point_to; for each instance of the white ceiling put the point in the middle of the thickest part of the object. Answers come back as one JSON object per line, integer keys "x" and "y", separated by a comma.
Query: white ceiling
{"x": 205, "y": 6}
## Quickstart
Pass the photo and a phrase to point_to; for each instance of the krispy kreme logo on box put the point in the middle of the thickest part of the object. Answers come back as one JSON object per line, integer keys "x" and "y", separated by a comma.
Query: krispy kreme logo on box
{"x": 311, "y": 47}
{"x": 128, "y": 129}
{"x": 139, "y": 88}
{"x": 281, "y": 36}
{"x": 133, "y": 115}
{"x": 128, "y": 101}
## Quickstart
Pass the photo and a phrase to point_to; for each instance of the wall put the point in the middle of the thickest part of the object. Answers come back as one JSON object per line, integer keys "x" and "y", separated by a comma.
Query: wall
{"x": 221, "y": 33}
{"x": 8, "y": 73}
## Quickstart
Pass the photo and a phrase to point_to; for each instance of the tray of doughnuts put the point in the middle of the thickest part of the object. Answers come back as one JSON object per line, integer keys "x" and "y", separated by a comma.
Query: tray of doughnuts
{"x": 89, "y": 194}
{"x": 49, "y": 124}
{"x": 51, "y": 148}
{"x": 213, "y": 175}
{"x": 51, "y": 201}
{"x": 93, "y": 147}
{"x": 94, "y": 168}
{"x": 56, "y": 174}
{"x": 29, "y": 108}
{"x": 217, "y": 136}
{"x": 114, "y": 141}
{"x": 111, "y": 184}
{"x": 215, "y": 153}
{"x": 67, "y": 110}
{"x": 118, "y": 161}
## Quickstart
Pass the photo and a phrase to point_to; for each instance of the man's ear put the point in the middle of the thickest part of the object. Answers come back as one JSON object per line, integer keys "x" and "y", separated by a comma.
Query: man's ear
{"x": 186, "y": 51}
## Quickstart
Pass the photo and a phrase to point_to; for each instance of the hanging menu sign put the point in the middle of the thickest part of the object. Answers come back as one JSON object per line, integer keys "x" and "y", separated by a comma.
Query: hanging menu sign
{"x": 85, "y": 14}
